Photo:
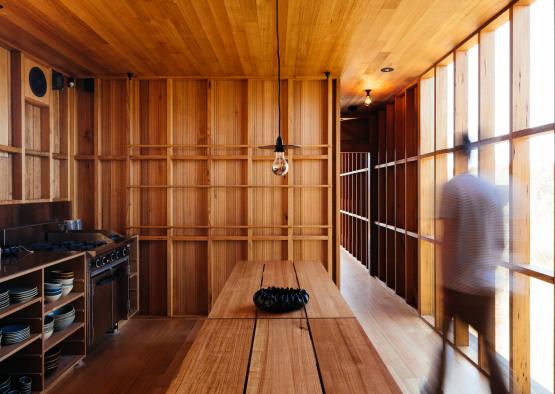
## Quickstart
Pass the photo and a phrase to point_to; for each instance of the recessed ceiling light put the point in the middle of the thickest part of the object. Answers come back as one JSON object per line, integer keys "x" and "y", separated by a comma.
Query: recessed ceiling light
{"x": 387, "y": 69}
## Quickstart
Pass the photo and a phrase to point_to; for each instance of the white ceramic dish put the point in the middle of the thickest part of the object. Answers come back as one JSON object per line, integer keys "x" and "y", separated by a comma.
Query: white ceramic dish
{"x": 52, "y": 298}
{"x": 64, "y": 281}
{"x": 66, "y": 289}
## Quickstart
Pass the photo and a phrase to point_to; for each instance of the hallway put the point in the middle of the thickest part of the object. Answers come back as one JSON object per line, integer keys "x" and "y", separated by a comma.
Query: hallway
{"x": 405, "y": 342}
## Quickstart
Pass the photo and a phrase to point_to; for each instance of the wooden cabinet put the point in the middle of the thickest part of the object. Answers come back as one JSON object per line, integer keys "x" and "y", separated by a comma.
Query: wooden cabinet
{"x": 27, "y": 357}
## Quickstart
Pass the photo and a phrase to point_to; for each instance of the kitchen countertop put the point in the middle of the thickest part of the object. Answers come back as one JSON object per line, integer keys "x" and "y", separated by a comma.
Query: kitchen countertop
{"x": 321, "y": 348}
{"x": 11, "y": 267}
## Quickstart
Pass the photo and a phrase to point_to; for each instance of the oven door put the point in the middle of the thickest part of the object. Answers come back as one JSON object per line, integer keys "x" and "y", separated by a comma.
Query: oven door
{"x": 120, "y": 292}
{"x": 102, "y": 301}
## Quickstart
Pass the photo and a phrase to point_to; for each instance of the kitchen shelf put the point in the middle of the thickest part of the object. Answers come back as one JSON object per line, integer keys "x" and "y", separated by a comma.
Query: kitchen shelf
{"x": 17, "y": 307}
{"x": 8, "y": 350}
{"x": 59, "y": 336}
{"x": 65, "y": 365}
{"x": 37, "y": 153}
{"x": 64, "y": 300}
{"x": 10, "y": 149}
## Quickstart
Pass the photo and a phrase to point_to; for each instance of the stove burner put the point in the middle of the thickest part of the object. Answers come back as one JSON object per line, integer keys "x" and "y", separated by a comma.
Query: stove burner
{"x": 65, "y": 246}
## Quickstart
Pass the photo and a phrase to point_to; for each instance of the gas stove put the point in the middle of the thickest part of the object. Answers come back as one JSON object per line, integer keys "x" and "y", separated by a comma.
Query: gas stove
{"x": 66, "y": 246}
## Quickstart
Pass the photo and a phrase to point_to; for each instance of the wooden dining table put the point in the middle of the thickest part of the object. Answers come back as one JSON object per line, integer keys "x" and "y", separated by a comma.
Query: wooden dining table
{"x": 321, "y": 348}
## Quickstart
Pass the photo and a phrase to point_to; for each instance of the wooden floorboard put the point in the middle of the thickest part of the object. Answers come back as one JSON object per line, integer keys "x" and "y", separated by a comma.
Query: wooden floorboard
{"x": 407, "y": 345}
{"x": 143, "y": 357}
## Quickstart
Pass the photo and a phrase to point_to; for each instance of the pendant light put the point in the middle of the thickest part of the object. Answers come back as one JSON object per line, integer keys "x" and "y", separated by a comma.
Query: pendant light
{"x": 367, "y": 99}
{"x": 279, "y": 166}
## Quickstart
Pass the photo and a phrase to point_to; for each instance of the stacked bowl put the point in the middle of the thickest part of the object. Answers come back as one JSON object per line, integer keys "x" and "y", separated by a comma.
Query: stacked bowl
{"x": 5, "y": 382}
{"x": 48, "y": 326}
{"x": 25, "y": 384}
{"x": 63, "y": 317}
{"x": 52, "y": 291}
{"x": 51, "y": 358}
{"x": 22, "y": 294}
{"x": 65, "y": 278}
{"x": 15, "y": 333}
{"x": 4, "y": 299}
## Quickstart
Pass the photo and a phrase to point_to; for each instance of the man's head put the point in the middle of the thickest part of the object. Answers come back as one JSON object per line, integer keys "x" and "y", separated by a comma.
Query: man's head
{"x": 466, "y": 147}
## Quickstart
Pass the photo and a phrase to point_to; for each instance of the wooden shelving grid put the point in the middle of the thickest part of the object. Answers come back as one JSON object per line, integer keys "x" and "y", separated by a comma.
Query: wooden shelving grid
{"x": 355, "y": 205}
{"x": 397, "y": 187}
{"x": 34, "y": 135}
{"x": 175, "y": 161}
{"x": 27, "y": 357}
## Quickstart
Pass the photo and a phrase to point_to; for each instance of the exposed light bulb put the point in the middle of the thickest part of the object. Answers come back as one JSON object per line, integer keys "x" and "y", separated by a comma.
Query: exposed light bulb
{"x": 368, "y": 99}
{"x": 280, "y": 166}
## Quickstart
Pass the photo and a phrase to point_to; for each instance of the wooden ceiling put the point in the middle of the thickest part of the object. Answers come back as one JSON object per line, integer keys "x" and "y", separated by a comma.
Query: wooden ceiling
{"x": 353, "y": 39}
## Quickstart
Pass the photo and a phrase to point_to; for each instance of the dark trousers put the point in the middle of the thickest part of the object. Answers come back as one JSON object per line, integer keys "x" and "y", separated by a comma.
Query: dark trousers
{"x": 477, "y": 311}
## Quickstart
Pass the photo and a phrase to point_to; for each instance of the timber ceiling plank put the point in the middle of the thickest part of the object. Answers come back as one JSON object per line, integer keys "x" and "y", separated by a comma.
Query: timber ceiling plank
{"x": 236, "y": 38}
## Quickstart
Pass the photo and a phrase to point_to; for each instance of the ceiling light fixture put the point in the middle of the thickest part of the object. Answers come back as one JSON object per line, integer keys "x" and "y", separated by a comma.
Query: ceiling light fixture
{"x": 367, "y": 99}
{"x": 279, "y": 166}
{"x": 387, "y": 69}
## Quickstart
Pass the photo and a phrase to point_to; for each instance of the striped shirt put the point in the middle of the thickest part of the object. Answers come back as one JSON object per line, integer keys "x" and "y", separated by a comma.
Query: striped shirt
{"x": 475, "y": 206}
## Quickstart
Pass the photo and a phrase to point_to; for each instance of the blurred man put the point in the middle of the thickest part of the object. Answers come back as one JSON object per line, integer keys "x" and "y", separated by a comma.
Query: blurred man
{"x": 473, "y": 241}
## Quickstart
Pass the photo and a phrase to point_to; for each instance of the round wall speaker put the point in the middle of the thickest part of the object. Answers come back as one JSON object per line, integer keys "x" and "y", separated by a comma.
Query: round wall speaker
{"x": 37, "y": 81}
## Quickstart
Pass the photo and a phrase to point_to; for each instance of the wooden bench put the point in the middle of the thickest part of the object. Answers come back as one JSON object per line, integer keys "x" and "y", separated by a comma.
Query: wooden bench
{"x": 321, "y": 348}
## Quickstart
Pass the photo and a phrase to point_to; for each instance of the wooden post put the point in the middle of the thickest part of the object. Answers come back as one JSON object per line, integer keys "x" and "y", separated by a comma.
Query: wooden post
{"x": 170, "y": 261}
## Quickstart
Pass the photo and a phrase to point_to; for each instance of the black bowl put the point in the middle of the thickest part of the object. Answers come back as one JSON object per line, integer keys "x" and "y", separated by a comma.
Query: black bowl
{"x": 280, "y": 300}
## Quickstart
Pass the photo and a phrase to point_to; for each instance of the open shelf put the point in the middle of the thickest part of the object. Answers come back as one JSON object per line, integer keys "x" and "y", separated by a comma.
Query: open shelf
{"x": 17, "y": 307}
{"x": 59, "y": 336}
{"x": 52, "y": 306}
{"x": 8, "y": 350}
{"x": 65, "y": 364}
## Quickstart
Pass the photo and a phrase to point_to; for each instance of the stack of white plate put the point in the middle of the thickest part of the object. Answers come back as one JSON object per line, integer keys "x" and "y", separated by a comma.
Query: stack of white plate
{"x": 63, "y": 317}
{"x": 22, "y": 294}
{"x": 15, "y": 333}
{"x": 65, "y": 278}
{"x": 48, "y": 326}
{"x": 4, "y": 299}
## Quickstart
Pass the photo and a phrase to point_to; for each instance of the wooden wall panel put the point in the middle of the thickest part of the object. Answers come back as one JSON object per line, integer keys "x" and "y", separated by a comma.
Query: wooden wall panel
{"x": 270, "y": 250}
{"x": 153, "y": 288}
{"x": 84, "y": 170}
{"x": 84, "y": 133}
{"x": 5, "y": 101}
{"x": 229, "y": 116}
{"x": 308, "y": 123}
{"x": 112, "y": 195}
{"x": 84, "y": 198}
{"x": 190, "y": 274}
{"x": 310, "y": 250}
{"x": 190, "y": 114}
{"x": 6, "y": 159}
{"x": 229, "y": 204}
{"x": 114, "y": 120}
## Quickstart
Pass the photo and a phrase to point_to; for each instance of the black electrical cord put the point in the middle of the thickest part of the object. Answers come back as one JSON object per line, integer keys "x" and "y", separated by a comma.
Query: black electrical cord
{"x": 279, "y": 70}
